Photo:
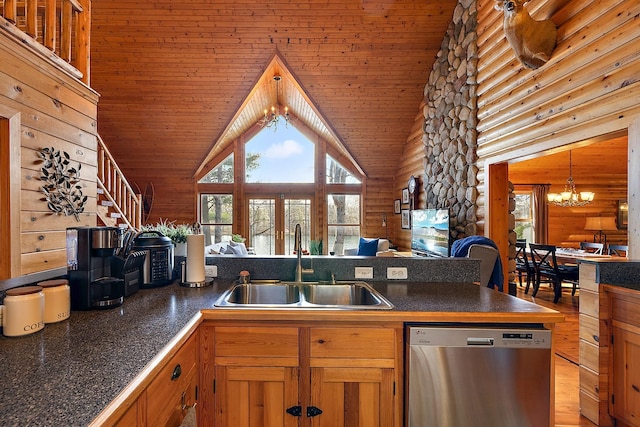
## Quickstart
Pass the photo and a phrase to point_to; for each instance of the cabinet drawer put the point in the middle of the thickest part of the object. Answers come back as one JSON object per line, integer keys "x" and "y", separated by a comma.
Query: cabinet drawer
{"x": 589, "y": 303}
{"x": 587, "y": 277}
{"x": 369, "y": 343}
{"x": 590, "y": 329}
{"x": 590, "y": 383}
{"x": 164, "y": 394}
{"x": 248, "y": 341}
{"x": 590, "y": 406}
{"x": 590, "y": 357}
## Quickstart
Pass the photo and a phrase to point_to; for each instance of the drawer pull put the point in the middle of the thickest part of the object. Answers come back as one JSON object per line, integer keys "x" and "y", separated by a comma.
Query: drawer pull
{"x": 596, "y": 338}
{"x": 177, "y": 371}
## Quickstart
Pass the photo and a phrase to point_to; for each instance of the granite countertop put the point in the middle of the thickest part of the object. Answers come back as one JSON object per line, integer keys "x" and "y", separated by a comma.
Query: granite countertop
{"x": 617, "y": 271}
{"x": 68, "y": 372}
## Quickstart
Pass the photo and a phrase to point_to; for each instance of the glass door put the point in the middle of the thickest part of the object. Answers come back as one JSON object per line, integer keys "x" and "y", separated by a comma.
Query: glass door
{"x": 272, "y": 222}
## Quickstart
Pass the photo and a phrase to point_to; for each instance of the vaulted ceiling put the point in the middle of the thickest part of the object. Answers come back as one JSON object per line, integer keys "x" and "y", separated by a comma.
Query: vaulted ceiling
{"x": 174, "y": 75}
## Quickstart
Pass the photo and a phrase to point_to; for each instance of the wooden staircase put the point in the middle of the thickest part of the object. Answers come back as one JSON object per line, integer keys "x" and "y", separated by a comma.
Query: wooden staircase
{"x": 118, "y": 205}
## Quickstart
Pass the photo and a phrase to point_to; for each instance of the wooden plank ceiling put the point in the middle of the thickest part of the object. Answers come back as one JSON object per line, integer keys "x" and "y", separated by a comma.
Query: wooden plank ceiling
{"x": 173, "y": 75}
{"x": 601, "y": 163}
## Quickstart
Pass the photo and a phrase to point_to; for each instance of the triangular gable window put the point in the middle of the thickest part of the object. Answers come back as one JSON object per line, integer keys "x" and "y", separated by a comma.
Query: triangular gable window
{"x": 338, "y": 174}
{"x": 221, "y": 174}
{"x": 283, "y": 156}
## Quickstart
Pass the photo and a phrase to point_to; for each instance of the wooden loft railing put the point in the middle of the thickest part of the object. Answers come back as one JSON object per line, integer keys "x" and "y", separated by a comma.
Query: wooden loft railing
{"x": 117, "y": 190}
{"x": 60, "y": 27}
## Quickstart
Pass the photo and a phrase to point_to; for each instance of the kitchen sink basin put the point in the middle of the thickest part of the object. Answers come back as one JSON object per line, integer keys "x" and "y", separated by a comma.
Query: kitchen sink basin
{"x": 345, "y": 296}
{"x": 265, "y": 294}
{"x": 341, "y": 294}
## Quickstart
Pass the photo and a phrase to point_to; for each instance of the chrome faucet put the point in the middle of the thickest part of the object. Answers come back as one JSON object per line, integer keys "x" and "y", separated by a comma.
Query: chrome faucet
{"x": 297, "y": 247}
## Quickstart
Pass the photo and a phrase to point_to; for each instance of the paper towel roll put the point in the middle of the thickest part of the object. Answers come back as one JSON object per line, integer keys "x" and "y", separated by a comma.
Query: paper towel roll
{"x": 195, "y": 258}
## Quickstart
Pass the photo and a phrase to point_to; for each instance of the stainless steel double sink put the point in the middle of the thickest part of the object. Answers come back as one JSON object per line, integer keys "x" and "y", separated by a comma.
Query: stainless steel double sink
{"x": 340, "y": 296}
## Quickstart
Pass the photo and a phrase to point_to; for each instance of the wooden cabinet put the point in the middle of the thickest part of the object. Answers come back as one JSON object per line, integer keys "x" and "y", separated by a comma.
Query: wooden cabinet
{"x": 609, "y": 348}
{"x": 625, "y": 316}
{"x": 173, "y": 390}
{"x": 256, "y": 375}
{"x": 594, "y": 348}
{"x": 306, "y": 376}
{"x": 161, "y": 399}
{"x": 353, "y": 376}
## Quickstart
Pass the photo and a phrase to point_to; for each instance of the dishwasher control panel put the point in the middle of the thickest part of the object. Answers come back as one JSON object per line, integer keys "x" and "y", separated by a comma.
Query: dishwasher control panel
{"x": 452, "y": 336}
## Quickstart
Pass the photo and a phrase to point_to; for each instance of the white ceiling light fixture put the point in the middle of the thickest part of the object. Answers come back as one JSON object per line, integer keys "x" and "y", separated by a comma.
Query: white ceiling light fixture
{"x": 570, "y": 196}
{"x": 272, "y": 117}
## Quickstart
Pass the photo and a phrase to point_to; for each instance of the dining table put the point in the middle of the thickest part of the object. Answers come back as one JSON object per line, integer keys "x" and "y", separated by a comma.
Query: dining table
{"x": 572, "y": 255}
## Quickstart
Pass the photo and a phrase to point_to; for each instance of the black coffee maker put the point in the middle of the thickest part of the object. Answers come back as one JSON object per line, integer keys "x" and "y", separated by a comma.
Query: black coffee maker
{"x": 93, "y": 280}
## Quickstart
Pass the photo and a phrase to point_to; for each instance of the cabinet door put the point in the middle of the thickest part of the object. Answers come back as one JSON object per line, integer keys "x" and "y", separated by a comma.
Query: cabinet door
{"x": 353, "y": 375}
{"x": 351, "y": 397}
{"x": 256, "y": 396}
{"x": 626, "y": 374}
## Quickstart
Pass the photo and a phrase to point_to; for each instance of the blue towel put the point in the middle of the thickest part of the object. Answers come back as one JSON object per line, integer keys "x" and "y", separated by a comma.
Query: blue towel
{"x": 460, "y": 249}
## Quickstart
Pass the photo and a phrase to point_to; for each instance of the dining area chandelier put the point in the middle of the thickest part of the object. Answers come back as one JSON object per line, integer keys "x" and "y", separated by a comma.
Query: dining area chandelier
{"x": 271, "y": 118}
{"x": 570, "y": 197}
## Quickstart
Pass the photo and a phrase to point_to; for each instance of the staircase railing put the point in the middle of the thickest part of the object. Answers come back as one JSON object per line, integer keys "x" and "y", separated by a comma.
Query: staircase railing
{"x": 117, "y": 190}
{"x": 61, "y": 27}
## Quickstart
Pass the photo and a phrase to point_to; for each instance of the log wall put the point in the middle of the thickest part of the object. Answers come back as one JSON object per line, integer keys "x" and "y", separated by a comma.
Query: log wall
{"x": 589, "y": 88}
{"x": 411, "y": 163}
{"x": 43, "y": 106}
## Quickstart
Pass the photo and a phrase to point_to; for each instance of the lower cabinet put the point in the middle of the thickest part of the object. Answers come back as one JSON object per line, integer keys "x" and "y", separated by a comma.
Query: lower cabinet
{"x": 353, "y": 396}
{"x": 170, "y": 394}
{"x": 173, "y": 391}
{"x": 625, "y": 320}
{"x": 274, "y": 375}
{"x": 256, "y": 395}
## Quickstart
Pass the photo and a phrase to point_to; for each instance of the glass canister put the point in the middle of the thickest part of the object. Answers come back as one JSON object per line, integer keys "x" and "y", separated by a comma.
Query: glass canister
{"x": 57, "y": 300}
{"x": 23, "y": 311}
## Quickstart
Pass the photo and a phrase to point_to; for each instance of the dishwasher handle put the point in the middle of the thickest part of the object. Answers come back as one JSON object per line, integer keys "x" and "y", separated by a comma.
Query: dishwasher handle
{"x": 486, "y": 342}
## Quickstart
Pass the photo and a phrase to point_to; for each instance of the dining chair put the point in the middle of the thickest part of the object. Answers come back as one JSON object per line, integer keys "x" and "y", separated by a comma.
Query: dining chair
{"x": 523, "y": 266}
{"x": 618, "y": 250}
{"x": 594, "y": 248}
{"x": 487, "y": 256}
{"x": 545, "y": 265}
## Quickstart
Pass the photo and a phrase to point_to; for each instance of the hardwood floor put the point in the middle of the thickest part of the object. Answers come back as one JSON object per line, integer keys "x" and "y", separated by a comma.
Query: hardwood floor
{"x": 566, "y": 357}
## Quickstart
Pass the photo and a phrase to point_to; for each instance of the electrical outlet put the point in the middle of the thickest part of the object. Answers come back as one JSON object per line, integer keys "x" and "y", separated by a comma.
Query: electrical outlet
{"x": 364, "y": 273}
{"x": 397, "y": 273}
{"x": 211, "y": 270}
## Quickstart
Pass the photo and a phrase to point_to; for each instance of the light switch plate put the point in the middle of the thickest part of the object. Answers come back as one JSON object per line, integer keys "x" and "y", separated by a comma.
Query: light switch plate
{"x": 364, "y": 273}
{"x": 397, "y": 273}
{"x": 211, "y": 270}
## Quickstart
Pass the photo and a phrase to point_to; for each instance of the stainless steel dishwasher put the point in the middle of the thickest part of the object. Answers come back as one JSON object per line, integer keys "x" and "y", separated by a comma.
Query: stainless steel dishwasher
{"x": 466, "y": 376}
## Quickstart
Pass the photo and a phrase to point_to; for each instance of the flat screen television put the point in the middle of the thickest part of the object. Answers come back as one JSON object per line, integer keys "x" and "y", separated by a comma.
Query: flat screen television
{"x": 430, "y": 232}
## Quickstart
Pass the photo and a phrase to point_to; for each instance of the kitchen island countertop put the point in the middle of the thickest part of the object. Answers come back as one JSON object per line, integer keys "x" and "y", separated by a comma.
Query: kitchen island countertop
{"x": 70, "y": 371}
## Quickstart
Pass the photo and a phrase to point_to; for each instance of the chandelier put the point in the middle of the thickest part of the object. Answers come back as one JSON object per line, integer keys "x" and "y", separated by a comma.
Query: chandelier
{"x": 272, "y": 117}
{"x": 570, "y": 197}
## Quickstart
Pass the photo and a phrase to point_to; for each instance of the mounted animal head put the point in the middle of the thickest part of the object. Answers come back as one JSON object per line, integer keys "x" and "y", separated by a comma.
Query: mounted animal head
{"x": 532, "y": 41}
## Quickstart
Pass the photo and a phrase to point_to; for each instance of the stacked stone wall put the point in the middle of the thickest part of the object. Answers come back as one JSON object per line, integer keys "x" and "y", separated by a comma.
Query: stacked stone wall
{"x": 450, "y": 124}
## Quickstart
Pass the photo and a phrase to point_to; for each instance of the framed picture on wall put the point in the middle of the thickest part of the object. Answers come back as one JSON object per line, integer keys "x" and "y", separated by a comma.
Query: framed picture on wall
{"x": 406, "y": 219}
{"x": 396, "y": 206}
{"x": 405, "y": 196}
{"x": 623, "y": 215}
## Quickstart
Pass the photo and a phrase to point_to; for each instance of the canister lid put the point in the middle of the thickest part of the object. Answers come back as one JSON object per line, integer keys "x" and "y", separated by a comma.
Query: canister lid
{"x": 23, "y": 290}
{"x": 52, "y": 283}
